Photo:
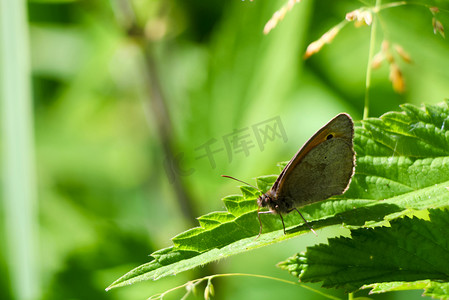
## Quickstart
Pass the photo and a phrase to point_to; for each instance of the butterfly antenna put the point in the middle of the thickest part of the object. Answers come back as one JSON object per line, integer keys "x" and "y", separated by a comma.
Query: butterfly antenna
{"x": 307, "y": 223}
{"x": 230, "y": 177}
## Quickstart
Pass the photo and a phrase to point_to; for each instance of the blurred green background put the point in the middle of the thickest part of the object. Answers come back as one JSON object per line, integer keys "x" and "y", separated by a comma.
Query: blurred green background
{"x": 128, "y": 96}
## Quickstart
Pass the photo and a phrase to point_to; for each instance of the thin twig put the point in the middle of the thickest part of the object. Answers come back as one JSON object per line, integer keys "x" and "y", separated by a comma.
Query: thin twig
{"x": 209, "y": 278}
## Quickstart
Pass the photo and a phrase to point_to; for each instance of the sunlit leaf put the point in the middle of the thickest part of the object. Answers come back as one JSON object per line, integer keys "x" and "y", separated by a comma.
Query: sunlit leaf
{"x": 402, "y": 167}
{"x": 408, "y": 251}
{"x": 433, "y": 289}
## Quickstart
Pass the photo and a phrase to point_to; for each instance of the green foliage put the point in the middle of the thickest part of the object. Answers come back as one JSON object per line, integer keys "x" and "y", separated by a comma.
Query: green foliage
{"x": 402, "y": 167}
{"x": 105, "y": 189}
{"x": 409, "y": 250}
{"x": 431, "y": 288}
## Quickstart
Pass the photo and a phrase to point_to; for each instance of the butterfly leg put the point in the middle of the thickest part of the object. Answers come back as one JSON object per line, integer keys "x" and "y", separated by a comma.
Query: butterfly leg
{"x": 282, "y": 219}
{"x": 260, "y": 221}
{"x": 307, "y": 223}
{"x": 283, "y": 225}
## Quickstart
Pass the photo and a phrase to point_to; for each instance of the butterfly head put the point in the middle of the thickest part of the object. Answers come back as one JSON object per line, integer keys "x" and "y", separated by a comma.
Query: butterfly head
{"x": 274, "y": 204}
{"x": 268, "y": 199}
{"x": 263, "y": 200}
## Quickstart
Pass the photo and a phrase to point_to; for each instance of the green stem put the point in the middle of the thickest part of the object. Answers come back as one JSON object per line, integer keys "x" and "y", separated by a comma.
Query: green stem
{"x": 403, "y": 3}
{"x": 390, "y": 5}
{"x": 209, "y": 278}
{"x": 370, "y": 61}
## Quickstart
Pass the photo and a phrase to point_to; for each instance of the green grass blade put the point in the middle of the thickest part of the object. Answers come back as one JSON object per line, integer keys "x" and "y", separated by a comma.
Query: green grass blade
{"x": 19, "y": 187}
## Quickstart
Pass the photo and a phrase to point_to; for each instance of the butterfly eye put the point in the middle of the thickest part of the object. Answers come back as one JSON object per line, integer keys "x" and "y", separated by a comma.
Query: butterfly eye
{"x": 329, "y": 136}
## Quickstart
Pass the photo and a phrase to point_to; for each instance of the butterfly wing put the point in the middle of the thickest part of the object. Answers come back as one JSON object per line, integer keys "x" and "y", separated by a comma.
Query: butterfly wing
{"x": 323, "y": 167}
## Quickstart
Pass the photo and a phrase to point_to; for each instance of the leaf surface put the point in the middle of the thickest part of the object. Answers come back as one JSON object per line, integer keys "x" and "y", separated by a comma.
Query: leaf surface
{"x": 402, "y": 167}
{"x": 411, "y": 249}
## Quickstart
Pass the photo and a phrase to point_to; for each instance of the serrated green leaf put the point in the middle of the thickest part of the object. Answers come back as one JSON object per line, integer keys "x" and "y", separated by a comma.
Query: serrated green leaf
{"x": 438, "y": 290}
{"x": 402, "y": 166}
{"x": 214, "y": 219}
{"x": 384, "y": 287}
{"x": 409, "y": 250}
{"x": 265, "y": 182}
{"x": 249, "y": 193}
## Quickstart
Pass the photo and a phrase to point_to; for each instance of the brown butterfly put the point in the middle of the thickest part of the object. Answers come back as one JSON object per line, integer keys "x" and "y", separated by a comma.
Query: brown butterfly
{"x": 322, "y": 168}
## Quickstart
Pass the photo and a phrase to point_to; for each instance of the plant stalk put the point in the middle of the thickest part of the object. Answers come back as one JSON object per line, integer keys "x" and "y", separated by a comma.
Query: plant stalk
{"x": 19, "y": 186}
{"x": 372, "y": 46}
